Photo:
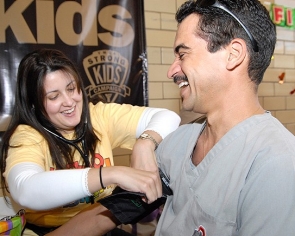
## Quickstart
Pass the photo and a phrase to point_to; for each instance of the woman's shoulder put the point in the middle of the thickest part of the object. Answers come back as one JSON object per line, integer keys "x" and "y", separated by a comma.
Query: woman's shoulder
{"x": 25, "y": 134}
{"x": 113, "y": 105}
{"x": 111, "y": 110}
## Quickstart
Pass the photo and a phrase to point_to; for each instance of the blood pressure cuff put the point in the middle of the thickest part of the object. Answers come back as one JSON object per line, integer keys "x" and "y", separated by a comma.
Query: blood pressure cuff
{"x": 129, "y": 208}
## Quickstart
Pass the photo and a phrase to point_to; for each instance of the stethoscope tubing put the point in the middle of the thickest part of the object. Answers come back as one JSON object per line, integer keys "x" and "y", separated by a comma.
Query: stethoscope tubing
{"x": 74, "y": 142}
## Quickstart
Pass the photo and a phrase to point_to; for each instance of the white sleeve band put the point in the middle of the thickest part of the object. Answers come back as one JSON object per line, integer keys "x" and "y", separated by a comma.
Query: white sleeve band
{"x": 160, "y": 120}
{"x": 27, "y": 182}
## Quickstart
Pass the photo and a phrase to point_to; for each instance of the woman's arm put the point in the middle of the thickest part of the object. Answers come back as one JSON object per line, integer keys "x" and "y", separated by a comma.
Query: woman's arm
{"x": 27, "y": 182}
{"x": 94, "y": 220}
{"x": 157, "y": 123}
{"x": 159, "y": 120}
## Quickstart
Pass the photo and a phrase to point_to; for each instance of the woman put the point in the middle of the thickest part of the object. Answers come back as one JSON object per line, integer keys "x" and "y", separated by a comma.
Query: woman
{"x": 54, "y": 149}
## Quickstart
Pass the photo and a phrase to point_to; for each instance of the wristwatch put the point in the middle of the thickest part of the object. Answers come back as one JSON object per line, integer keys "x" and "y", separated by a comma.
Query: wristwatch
{"x": 147, "y": 136}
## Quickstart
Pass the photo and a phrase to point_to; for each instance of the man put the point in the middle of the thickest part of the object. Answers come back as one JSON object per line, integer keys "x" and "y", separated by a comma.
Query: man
{"x": 234, "y": 174}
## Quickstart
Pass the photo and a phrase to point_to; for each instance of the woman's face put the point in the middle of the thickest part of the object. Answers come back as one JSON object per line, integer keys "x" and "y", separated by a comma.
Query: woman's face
{"x": 63, "y": 103}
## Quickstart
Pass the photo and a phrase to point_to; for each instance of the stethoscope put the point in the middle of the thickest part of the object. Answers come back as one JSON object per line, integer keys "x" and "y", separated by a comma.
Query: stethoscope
{"x": 83, "y": 152}
{"x": 73, "y": 143}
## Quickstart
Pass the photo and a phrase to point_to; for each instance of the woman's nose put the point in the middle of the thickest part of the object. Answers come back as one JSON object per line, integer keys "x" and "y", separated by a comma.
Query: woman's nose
{"x": 68, "y": 101}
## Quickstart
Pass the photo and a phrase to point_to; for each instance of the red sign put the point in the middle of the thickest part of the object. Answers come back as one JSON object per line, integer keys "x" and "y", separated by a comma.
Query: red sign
{"x": 283, "y": 16}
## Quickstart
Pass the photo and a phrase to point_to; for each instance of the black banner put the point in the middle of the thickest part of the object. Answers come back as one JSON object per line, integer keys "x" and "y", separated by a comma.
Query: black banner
{"x": 105, "y": 38}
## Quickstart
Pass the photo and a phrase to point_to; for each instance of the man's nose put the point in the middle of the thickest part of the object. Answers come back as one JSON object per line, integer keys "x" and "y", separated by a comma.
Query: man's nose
{"x": 174, "y": 69}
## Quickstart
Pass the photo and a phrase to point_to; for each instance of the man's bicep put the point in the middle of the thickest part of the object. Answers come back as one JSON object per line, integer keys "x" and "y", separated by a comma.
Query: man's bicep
{"x": 267, "y": 202}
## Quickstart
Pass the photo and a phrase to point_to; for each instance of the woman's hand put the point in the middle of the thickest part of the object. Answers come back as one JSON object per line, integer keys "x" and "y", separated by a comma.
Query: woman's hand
{"x": 133, "y": 180}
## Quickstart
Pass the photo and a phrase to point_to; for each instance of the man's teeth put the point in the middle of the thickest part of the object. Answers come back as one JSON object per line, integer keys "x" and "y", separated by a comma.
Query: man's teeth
{"x": 184, "y": 83}
{"x": 69, "y": 111}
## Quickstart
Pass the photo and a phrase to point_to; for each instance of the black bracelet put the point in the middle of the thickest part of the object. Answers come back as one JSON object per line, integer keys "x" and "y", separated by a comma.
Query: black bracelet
{"x": 103, "y": 187}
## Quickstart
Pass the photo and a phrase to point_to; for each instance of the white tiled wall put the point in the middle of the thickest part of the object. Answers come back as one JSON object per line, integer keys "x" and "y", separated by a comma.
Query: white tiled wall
{"x": 160, "y": 32}
{"x": 160, "y": 29}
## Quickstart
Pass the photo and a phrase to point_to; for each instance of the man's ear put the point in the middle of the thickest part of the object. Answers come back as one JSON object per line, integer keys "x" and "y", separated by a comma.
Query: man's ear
{"x": 237, "y": 51}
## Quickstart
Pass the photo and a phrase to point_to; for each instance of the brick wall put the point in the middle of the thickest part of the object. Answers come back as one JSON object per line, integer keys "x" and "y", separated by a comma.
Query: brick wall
{"x": 160, "y": 31}
{"x": 274, "y": 96}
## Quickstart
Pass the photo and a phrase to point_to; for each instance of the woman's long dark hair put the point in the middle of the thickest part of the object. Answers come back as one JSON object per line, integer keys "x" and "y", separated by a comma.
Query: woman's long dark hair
{"x": 29, "y": 108}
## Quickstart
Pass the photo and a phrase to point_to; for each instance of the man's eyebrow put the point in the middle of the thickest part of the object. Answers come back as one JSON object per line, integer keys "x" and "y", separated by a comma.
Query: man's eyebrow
{"x": 180, "y": 46}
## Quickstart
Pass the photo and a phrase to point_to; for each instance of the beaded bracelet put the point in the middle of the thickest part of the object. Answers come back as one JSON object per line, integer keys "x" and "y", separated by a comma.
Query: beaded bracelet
{"x": 102, "y": 186}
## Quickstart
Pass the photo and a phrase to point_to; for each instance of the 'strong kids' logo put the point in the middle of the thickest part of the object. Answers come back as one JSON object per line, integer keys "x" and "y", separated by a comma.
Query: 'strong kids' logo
{"x": 106, "y": 71}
